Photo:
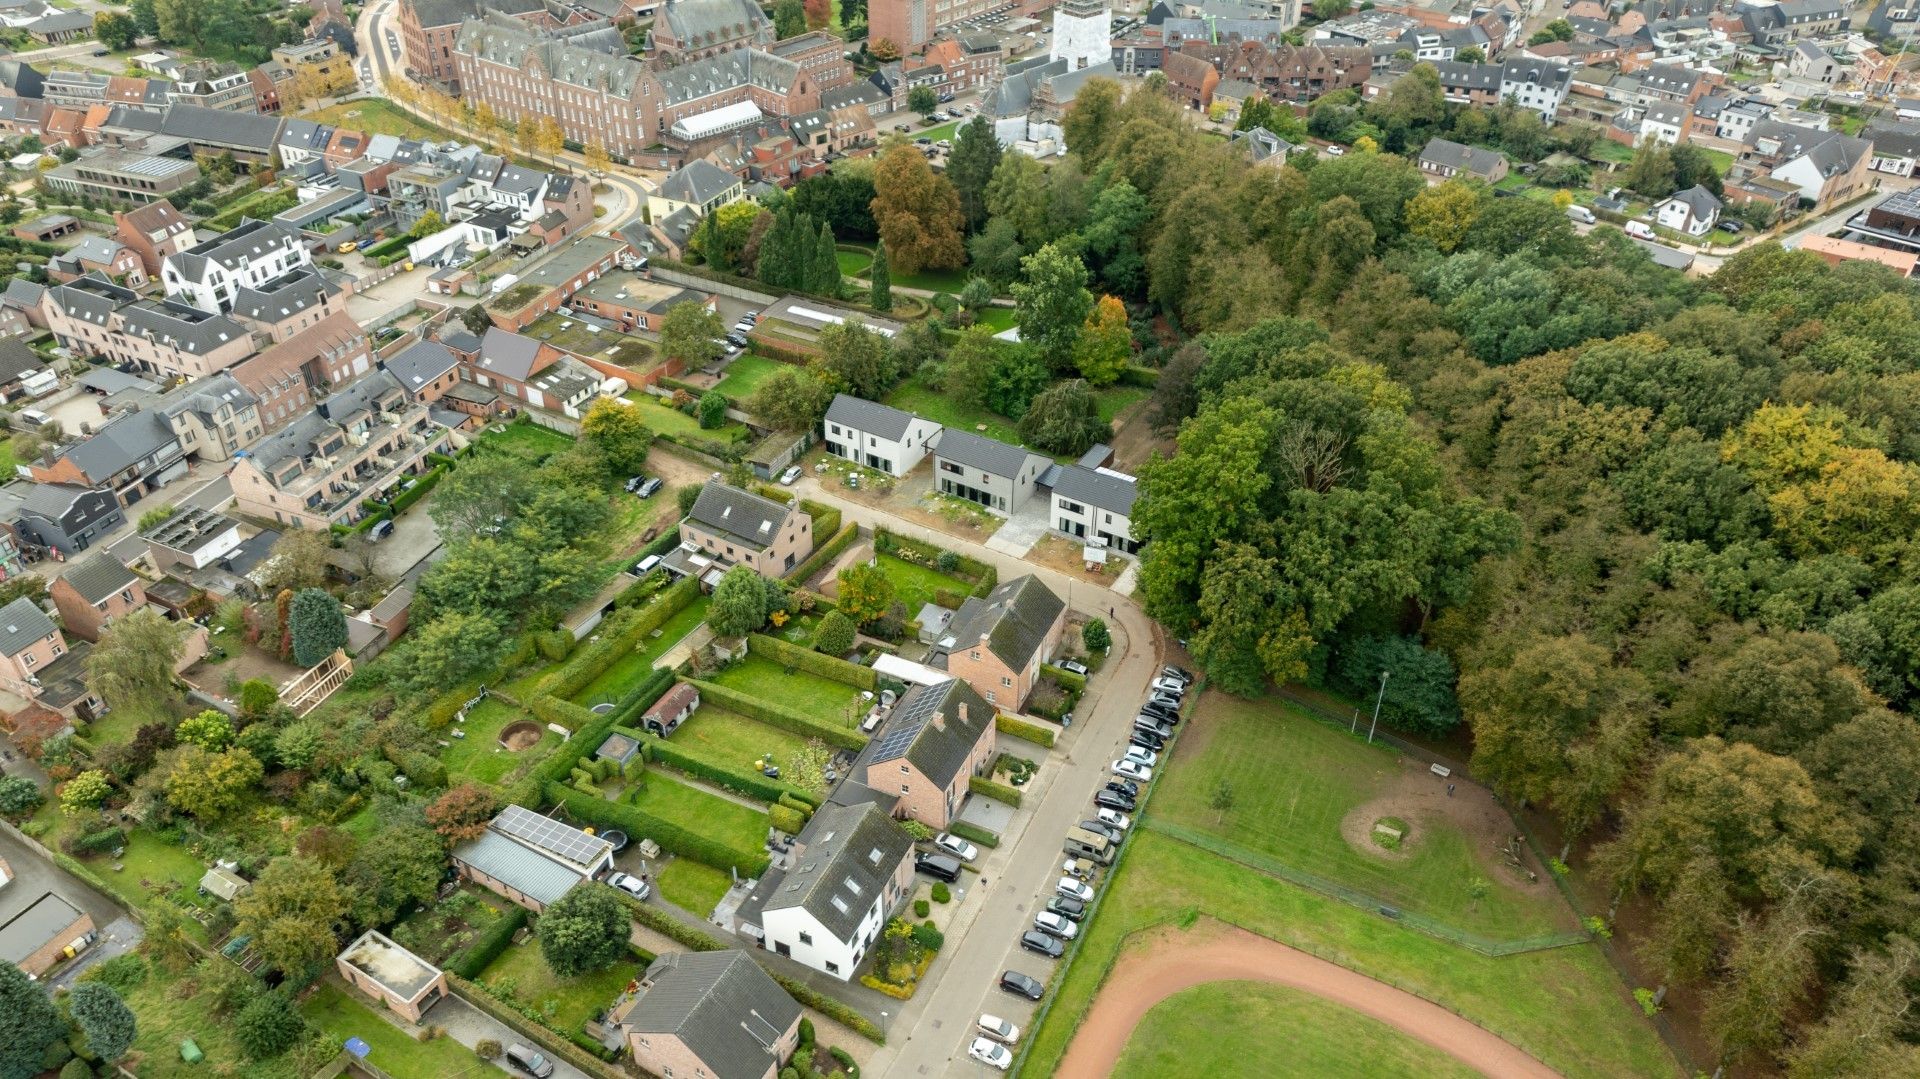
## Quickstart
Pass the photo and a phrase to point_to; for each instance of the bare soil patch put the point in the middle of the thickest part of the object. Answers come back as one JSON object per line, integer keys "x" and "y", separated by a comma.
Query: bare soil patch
{"x": 1420, "y": 798}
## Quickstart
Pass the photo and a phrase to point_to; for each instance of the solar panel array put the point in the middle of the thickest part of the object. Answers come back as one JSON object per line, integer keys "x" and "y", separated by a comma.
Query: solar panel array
{"x": 906, "y": 727}
{"x": 561, "y": 840}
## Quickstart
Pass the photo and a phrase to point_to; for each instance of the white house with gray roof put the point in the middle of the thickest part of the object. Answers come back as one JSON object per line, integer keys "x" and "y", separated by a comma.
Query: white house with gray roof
{"x": 851, "y": 867}
{"x": 1095, "y": 506}
{"x": 877, "y": 436}
{"x": 699, "y": 187}
{"x": 992, "y": 474}
{"x": 209, "y": 275}
{"x": 1692, "y": 211}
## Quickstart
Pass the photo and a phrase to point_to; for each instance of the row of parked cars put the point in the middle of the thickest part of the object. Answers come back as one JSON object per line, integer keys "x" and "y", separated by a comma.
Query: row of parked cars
{"x": 1093, "y": 843}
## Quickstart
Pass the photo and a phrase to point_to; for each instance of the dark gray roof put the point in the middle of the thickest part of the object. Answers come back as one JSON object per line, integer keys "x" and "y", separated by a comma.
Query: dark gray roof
{"x": 98, "y": 576}
{"x": 939, "y": 750}
{"x": 747, "y": 518}
{"x": 1103, "y": 489}
{"x": 49, "y": 500}
{"x": 22, "y": 622}
{"x": 725, "y": 1008}
{"x": 848, "y": 855}
{"x": 219, "y": 127}
{"x": 1014, "y": 619}
{"x": 284, "y": 296}
{"x": 986, "y": 454}
{"x": 16, "y": 359}
{"x": 507, "y": 354}
{"x": 35, "y": 927}
{"x": 124, "y": 440}
{"x": 1450, "y": 154}
{"x": 869, "y": 418}
{"x": 421, "y": 363}
{"x": 1893, "y": 139}
{"x": 697, "y": 182}
{"x": 698, "y": 23}
{"x": 1699, "y": 200}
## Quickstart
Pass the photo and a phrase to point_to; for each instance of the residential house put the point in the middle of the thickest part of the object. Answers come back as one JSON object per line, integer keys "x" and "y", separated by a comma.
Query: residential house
{"x": 213, "y": 88}
{"x": 1692, "y": 211}
{"x": 425, "y": 369}
{"x": 289, "y": 376}
{"x": 1095, "y": 505}
{"x": 98, "y": 254}
{"x": 1779, "y": 22}
{"x": 1811, "y": 62}
{"x": 1896, "y": 146}
{"x": 530, "y": 859}
{"x": 1444, "y": 158}
{"x": 850, "y": 868}
{"x": 23, "y": 373}
{"x": 139, "y": 451}
{"x": 992, "y": 474}
{"x": 358, "y": 444}
{"x": 549, "y": 286}
{"x": 711, "y": 1014}
{"x": 1666, "y": 122}
{"x": 93, "y": 592}
{"x": 699, "y": 187}
{"x": 934, "y": 741}
{"x": 56, "y": 518}
{"x": 209, "y": 275}
{"x": 632, "y": 302}
{"x": 191, "y": 539}
{"x": 736, "y": 527}
{"x": 531, "y": 371}
{"x": 877, "y": 436}
{"x": 997, "y": 644}
{"x": 287, "y": 305}
{"x": 1826, "y": 167}
{"x": 401, "y": 981}
{"x": 154, "y": 231}
{"x": 1263, "y": 147}
{"x": 92, "y": 316}
{"x": 249, "y": 138}
{"x": 1190, "y": 79}
{"x": 29, "y": 643}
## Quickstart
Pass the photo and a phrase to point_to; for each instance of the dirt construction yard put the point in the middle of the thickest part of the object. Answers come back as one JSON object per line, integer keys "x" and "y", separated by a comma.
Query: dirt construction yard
{"x": 1162, "y": 962}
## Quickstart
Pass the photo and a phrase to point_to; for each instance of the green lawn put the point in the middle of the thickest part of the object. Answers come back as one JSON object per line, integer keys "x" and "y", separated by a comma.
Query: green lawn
{"x": 854, "y": 263}
{"x": 1294, "y": 780}
{"x": 693, "y": 887}
{"x": 665, "y": 419}
{"x": 915, "y": 585}
{"x": 1565, "y": 1005}
{"x": 732, "y": 739}
{"x": 373, "y": 116}
{"x": 854, "y": 259}
{"x": 479, "y": 755}
{"x": 630, "y": 670}
{"x": 338, "y": 1012}
{"x": 743, "y": 829}
{"x": 569, "y": 1001}
{"x": 6, "y": 457}
{"x": 914, "y": 395}
{"x": 1214, "y": 1029}
{"x": 529, "y": 441}
{"x": 821, "y": 698}
{"x": 163, "y": 1017}
{"x": 998, "y": 319}
{"x": 151, "y": 866}
{"x": 745, "y": 374}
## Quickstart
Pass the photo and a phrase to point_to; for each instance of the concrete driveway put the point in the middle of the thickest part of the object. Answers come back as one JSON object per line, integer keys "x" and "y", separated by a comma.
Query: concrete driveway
{"x": 35, "y": 876}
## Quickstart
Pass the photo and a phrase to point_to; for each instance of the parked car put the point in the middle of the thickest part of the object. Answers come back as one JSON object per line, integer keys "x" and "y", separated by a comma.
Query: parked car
{"x": 956, "y": 846}
{"x": 529, "y": 1061}
{"x": 1117, "y": 820}
{"x": 645, "y": 565}
{"x": 1165, "y": 707}
{"x": 937, "y": 866}
{"x": 1035, "y": 941}
{"x": 788, "y": 477}
{"x": 1075, "y": 889}
{"x": 1071, "y": 908}
{"x": 991, "y": 1053}
{"x": 1336, "y": 150}
{"x": 1147, "y": 741}
{"x": 648, "y": 489}
{"x": 1153, "y": 725}
{"x": 1055, "y": 925}
{"x": 1094, "y": 826}
{"x": 1178, "y": 673}
{"x": 1107, "y": 799}
{"x": 1168, "y": 685}
{"x": 737, "y": 340}
{"x": 1015, "y": 982}
{"x": 998, "y": 1029}
{"x": 1141, "y": 756}
{"x": 1132, "y": 769}
{"x": 1639, "y": 230}
{"x": 630, "y": 884}
{"x": 1074, "y": 666}
{"x": 1125, "y": 786}
{"x": 1732, "y": 226}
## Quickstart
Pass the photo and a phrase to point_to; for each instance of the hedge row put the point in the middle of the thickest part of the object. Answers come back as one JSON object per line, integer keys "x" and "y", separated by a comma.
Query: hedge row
{"x": 444, "y": 707}
{"x": 787, "y": 720}
{"x": 831, "y": 1008}
{"x": 788, "y": 654}
{"x": 587, "y": 736}
{"x": 672, "y": 837}
{"x": 489, "y": 944}
{"x": 616, "y": 643}
{"x": 1020, "y": 728}
{"x": 985, "y": 578}
{"x": 400, "y": 502}
{"x": 660, "y": 545}
{"x": 627, "y": 710}
{"x": 826, "y": 519}
{"x": 1069, "y": 681}
{"x": 966, "y": 830}
{"x": 824, "y": 555}
{"x": 999, "y": 792}
{"x": 565, "y": 1049}
{"x": 670, "y": 927}
{"x": 779, "y": 348}
{"x": 751, "y": 784}
{"x": 1135, "y": 375}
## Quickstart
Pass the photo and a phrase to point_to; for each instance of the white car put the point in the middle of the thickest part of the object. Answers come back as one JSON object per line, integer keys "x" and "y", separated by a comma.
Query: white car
{"x": 1053, "y": 924}
{"x": 630, "y": 884}
{"x": 1075, "y": 889}
{"x": 991, "y": 1053}
{"x": 1171, "y": 686}
{"x": 956, "y": 846}
{"x": 999, "y": 1029}
{"x": 1132, "y": 769}
{"x": 791, "y": 474}
{"x": 1116, "y": 818}
{"x": 1142, "y": 755}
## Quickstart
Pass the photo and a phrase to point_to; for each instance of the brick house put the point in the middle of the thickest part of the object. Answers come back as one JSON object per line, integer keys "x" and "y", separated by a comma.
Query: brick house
{"x": 712, "y": 1014}
{"x": 287, "y": 377}
{"x": 997, "y": 644}
{"x": 154, "y": 231}
{"x": 937, "y": 738}
{"x": 733, "y": 526}
{"x": 426, "y": 370}
{"x": 29, "y": 642}
{"x": 93, "y": 592}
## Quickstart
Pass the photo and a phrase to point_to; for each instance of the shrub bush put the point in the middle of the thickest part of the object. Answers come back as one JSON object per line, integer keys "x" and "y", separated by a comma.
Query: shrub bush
{"x": 806, "y": 1032}
{"x": 922, "y": 908}
{"x": 668, "y": 926}
{"x": 824, "y": 554}
{"x": 831, "y": 1008}
{"x": 1020, "y": 728}
{"x": 928, "y": 936}
{"x": 999, "y": 792}
{"x": 486, "y": 1049}
{"x": 786, "y": 818}
{"x": 826, "y": 519}
{"x": 941, "y": 893}
{"x": 1075, "y": 684}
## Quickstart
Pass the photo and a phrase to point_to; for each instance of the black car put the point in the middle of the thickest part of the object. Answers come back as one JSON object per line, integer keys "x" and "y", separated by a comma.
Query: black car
{"x": 1147, "y": 740}
{"x": 937, "y": 866}
{"x": 649, "y": 488}
{"x": 1125, "y": 786}
{"x": 1107, "y": 799}
{"x": 1732, "y": 226}
{"x": 1067, "y": 908}
{"x": 1161, "y": 709}
{"x": 737, "y": 340}
{"x": 1015, "y": 982}
{"x": 1035, "y": 941}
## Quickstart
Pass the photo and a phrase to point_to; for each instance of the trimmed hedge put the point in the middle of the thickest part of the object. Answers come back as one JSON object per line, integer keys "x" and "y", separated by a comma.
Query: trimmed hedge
{"x": 999, "y": 792}
{"x": 565, "y": 713}
{"x": 1075, "y": 684}
{"x": 826, "y": 519}
{"x": 400, "y": 502}
{"x": 824, "y": 555}
{"x": 1135, "y": 375}
{"x": 590, "y": 662}
{"x": 788, "y": 654}
{"x": 586, "y": 738}
{"x": 779, "y": 348}
{"x": 1020, "y": 728}
{"x": 751, "y": 784}
{"x": 985, "y": 578}
{"x": 670, "y": 927}
{"x": 641, "y": 697}
{"x": 974, "y": 832}
{"x": 672, "y": 837}
{"x": 831, "y": 1008}
{"x": 489, "y": 944}
{"x": 786, "y": 818}
{"x": 754, "y": 708}
{"x": 564, "y": 1048}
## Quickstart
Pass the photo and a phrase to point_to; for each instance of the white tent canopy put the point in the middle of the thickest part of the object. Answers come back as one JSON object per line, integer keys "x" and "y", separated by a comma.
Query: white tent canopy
{"x": 725, "y": 118}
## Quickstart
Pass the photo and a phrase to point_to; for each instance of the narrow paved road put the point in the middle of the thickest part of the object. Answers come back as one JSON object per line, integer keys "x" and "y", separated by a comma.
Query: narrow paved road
{"x": 929, "y": 1037}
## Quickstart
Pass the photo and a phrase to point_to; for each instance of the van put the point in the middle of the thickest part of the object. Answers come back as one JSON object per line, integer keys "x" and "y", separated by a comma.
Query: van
{"x": 1581, "y": 214}
{"x": 1089, "y": 845}
{"x": 33, "y": 417}
{"x": 645, "y": 565}
{"x": 1640, "y": 230}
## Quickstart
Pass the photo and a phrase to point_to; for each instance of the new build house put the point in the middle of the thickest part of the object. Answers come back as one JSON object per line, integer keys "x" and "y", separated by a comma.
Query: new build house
{"x": 850, "y": 868}
{"x": 1095, "y": 505}
{"x": 877, "y": 436}
{"x": 992, "y": 474}
{"x": 210, "y": 275}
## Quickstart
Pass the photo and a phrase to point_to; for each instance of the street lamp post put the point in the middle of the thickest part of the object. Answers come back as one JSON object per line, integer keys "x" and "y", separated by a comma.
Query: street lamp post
{"x": 883, "y": 1024}
{"x": 1382, "y": 696}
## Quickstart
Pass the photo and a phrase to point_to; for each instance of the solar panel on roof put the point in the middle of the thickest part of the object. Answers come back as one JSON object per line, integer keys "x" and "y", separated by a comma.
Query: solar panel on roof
{"x": 562, "y": 840}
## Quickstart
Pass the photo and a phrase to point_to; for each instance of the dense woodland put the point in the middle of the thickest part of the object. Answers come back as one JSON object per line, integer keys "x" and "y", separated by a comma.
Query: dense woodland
{"x": 1663, "y": 530}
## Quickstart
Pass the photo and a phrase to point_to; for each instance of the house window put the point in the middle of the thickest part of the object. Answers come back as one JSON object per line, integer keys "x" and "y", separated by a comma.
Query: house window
{"x": 29, "y": 659}
{"x": 1005, "y": 681}
{"x": 806, "y": 938}
{"x": 906, "y": 789}
{"x": 990, "y": 699}
{"x": 832, "y": 967}
{"x": 974, "y": 655}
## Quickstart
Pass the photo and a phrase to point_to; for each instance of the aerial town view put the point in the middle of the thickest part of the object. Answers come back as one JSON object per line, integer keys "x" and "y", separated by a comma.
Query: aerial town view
{"x": 701, "y": 539}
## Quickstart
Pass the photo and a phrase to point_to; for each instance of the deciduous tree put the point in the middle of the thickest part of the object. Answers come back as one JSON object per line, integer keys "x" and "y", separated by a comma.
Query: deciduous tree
{"x": 584, "y": 931}
{"x": 742, "y": 602}
{"x": 211, "y": 730}
{"x": 865, "y": 592}
{"x": 791, "y": 399}
{"x": 1053, "y": 302}
{"x": 210, "y": 785}
{"x": 133, "y": 663}
{"x": 463, "y": 812}
{"x": 918, "y": 213}
{"x": 691, "y": 332}
{"x": 1064, "y": 419}
{"x": 1106, "y": 343}
{"x": 855, "y": 359}
{"x": 293, "y": 912}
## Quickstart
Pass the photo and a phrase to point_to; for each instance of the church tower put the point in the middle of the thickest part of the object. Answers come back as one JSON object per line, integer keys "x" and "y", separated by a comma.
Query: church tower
{"x": 1083, "y": 33}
